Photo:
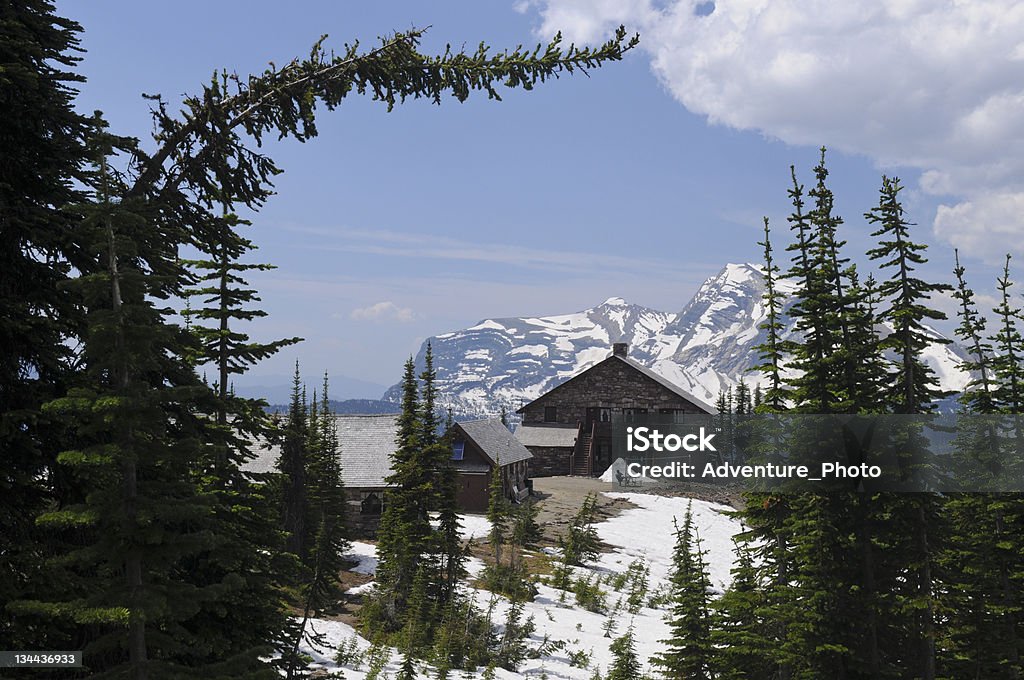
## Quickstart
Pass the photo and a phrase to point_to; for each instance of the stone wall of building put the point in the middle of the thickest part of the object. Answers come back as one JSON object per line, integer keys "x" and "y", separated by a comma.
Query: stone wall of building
{"x": 360, "y": 518}
{"x": 549, "y": 461}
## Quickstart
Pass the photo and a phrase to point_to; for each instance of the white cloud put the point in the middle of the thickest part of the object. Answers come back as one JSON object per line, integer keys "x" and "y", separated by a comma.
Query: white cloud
{"x": 431, "y": 246}
{"x": 989, "y": 223}
{"x": 382, "y": 311}
{"x": 928, "y": 84}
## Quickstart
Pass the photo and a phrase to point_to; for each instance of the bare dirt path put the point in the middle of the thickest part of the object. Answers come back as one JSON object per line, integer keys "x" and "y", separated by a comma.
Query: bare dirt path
{"x": 559, "y": 498}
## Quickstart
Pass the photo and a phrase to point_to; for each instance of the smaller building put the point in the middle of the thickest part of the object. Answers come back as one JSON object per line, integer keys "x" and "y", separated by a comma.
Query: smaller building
{"x": 366, "y": 444}
{"x": 477, "y": 447}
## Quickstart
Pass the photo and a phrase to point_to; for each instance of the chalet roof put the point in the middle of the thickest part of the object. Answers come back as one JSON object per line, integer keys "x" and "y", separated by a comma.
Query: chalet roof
{"x": 547, "y": 435}
{"x": 367, "y": 443}
{"x": 496, "y": 442}
{"x": 660, "y": 379}
{"x": 667, "y": 384}
{"x": 365, "y": 447}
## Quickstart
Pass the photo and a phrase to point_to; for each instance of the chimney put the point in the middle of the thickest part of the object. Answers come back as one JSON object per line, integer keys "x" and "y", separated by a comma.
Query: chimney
{"x": 620, "y": 349}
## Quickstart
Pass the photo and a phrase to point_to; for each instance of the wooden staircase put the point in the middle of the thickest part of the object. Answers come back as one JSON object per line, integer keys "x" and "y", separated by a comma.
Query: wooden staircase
{"x": 581, "y": 462}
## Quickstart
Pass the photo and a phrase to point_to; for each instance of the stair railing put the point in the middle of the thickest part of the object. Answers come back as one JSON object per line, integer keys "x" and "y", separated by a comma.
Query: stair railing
{"x": 590, "y": 449}
{"x": 575, "y": 445}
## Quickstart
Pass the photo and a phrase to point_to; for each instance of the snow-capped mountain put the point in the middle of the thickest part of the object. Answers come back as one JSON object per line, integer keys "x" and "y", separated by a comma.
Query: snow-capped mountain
{"x": 706, "y": 347}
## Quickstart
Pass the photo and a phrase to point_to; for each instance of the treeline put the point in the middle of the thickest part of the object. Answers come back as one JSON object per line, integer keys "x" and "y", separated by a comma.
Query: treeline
{"x": 852, "y": 584}
{"x": 127, "y": 527}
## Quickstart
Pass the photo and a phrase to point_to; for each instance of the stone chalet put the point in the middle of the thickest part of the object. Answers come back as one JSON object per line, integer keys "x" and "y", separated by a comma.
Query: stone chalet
{"x": 479, "y": 445}
{"x": 568, "y": 429}
{"x": 367, "y": 442}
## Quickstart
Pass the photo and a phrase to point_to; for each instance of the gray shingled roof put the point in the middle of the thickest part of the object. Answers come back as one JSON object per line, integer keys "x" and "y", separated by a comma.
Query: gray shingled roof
{"x": 365, "y": 447}
{"x": 495, "y": 441}
{"x": 667, "y": 384}
{"x": 547, "y": 435}
{"x": 367, "y": 443}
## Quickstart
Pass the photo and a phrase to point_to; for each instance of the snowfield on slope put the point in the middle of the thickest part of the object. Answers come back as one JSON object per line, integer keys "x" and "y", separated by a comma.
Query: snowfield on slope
{"x": 705, "y": 347}
{"x": 645, "y": 531}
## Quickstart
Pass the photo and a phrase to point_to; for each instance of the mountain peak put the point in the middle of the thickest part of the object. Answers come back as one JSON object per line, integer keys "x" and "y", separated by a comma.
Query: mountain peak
{"x": 741, "y": 272}
{"x": 614, "y": 302}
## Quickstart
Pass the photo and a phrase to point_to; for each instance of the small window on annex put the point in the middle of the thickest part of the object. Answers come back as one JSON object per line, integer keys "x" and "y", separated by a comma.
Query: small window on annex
{"x": 550, "y": 414}
{"x": 458, "y": 450}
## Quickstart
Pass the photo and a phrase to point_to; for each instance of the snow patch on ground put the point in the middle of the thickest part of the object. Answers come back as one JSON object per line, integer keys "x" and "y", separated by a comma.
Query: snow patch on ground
{"x": 366, "y": 556}
{"x": 648, "y": 532}
{"x": 474, "y": 526}
{"x": 642, "y": 532}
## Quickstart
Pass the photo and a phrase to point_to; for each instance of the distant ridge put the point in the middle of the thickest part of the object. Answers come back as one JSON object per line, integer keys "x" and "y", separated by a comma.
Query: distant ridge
{"x": 350, "y": 406}
{"x": 704, "y": 348}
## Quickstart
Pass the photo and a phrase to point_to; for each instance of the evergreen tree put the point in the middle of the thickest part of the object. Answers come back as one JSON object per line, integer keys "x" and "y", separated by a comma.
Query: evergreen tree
{"x": 739, "y": 636}
{"x": 293, "y": 465}
{"x": 810, "y": 312}
{"x": 581, "y": 544}
{"x": 248, "y": 617}
{"x": 498, "y": 511}
{"x": 405, "y": 524}
{"x": 771, "y": 350}
{"x": 512, "y": 648}
{"x": 41, "y": 318}
{"x": 977, "y": 396}
{"x": 913, "y": 386}
{"x": 452, "y": 552}
{"x": 625, "y": 662}
{"x": 330, "y": 543}
{"x": 982, "y": 563}
{"x": 689, "y": 652}
{"x": 526, "y": 533}
{"x": 983, "y": 570}
{"x": 429, "y": 423}
{"x": 228, "y": 300}
{"x": 725, "y": 424}
{"x": 1008, "y": 363}
{"x": 742, "y": 402}
{"x": 410, "y": 550}
{"x": 134, "y": 413}
{"x": 911, "y": 391}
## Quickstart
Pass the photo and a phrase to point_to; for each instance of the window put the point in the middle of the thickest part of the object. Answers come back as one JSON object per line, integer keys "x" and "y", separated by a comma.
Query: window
{"x": 371, "y": 505}
{"x": 550, "y": 414}
{"x": 678, "y": 414}
{"x": 605, "y": 415}
{"x": 633, "y": 414}
{"x": 458, "y": 450}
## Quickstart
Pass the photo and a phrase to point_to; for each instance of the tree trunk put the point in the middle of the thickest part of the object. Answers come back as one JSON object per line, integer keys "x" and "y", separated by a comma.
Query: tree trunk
{"x": 925, "y": 589}
{"x": 137, "y": 653}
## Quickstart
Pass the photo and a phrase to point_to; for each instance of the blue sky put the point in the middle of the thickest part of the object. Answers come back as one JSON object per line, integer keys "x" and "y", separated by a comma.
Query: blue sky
{"x": 639, "y": 181}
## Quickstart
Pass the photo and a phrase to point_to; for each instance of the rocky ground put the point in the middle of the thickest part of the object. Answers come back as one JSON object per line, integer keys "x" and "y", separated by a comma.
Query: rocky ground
{"x": 561, "y": 497}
